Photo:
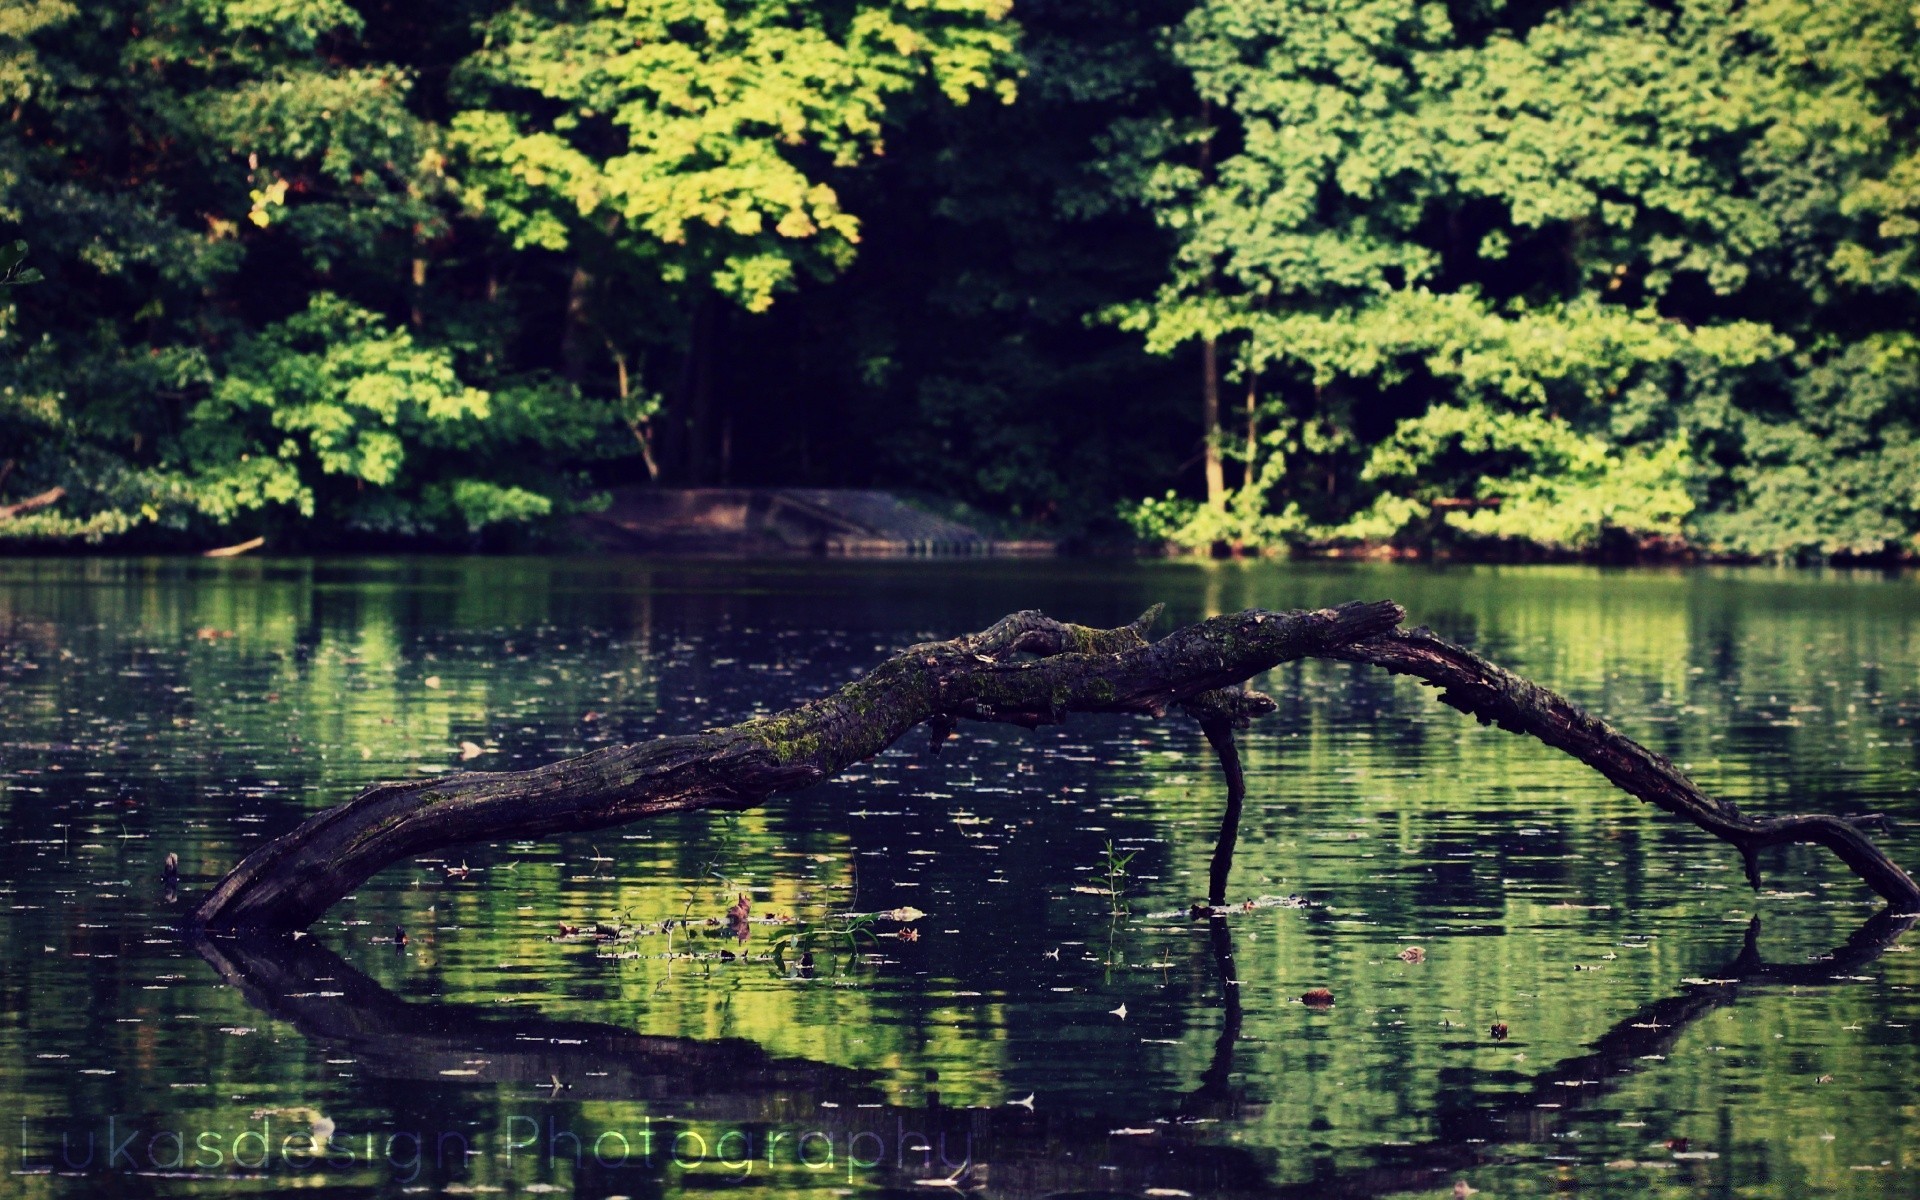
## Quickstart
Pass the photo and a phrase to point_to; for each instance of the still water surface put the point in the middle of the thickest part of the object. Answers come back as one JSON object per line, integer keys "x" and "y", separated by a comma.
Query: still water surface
{"x": 1670, "y": 1031}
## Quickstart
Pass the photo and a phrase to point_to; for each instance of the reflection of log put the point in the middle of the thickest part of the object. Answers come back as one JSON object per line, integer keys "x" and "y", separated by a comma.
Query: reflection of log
{"x": 289, "y": 882}
{"x": 731, "y": 1082}
{"x": 1215, "y": 1097}
{"x": 1473, "y": 1134}
{"x": 1013, "y": 1152}
{"x": 329, "y": 1000}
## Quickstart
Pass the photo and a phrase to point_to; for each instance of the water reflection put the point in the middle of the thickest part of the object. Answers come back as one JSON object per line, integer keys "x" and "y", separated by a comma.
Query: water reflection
{"x": 1010, "y": 1151}
{"x": 156, "y": 708}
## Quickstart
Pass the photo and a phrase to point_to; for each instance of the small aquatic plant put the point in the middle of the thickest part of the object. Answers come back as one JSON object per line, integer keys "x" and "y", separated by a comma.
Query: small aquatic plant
{"x": 847, "y": 929}
{"x": 1115, "y": 867}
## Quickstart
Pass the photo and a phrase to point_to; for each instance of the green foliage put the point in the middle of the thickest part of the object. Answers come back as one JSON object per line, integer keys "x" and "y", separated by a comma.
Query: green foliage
{"x": 298, "y": 265}
{"x": 692, "y": 132}
{"x": 1571, "y": 276}
{"x": 1837, "y": 474}
{"x": 331, "y": 395}
{"x": 13, "y": 268}
{"x": 1566, "y": 260}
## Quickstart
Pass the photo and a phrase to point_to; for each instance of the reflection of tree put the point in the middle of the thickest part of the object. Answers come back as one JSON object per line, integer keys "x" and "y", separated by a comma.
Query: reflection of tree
{"x": 1014, "y": 1152}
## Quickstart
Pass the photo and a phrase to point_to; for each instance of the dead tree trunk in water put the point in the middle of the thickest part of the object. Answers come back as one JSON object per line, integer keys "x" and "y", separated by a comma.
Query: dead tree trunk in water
{"x": 1026, "y": 670}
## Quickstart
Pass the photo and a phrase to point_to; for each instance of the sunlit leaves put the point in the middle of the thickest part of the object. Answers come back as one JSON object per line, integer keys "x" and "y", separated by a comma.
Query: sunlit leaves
{"x": 1584, "y": 240}
{"x": 703, "y": 127}
{"x": 332, "y": 391}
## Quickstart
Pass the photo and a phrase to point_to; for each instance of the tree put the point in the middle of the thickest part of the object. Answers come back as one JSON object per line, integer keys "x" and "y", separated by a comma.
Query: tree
{"x": 676, "y": 152}
{"x": 1510, "y": 276}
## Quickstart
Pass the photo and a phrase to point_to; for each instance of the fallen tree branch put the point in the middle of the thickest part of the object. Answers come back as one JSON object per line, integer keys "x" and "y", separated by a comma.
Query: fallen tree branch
{"x": 51, "y": 496}
{"x": 1494, "y": 695}
{"x": 235, "y": 550}
{"x": 289, "y": 882}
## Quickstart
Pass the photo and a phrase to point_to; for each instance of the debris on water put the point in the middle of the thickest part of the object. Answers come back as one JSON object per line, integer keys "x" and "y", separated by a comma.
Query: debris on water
{"x": 1317, "y": 998}
{"x": 1199, "y": 911}
{"x": 1499, "y": 1031}
{"x": 1412, "y": 954}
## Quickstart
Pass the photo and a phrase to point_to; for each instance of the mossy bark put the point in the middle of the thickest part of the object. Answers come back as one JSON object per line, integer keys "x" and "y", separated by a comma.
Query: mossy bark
{"x": 1027, "y": 670}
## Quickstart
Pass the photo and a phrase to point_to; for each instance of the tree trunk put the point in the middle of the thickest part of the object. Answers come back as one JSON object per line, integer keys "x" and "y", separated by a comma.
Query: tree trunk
{"x": 1248, "y": 475}
{"x": 694, "y": 420}
{"x": 577, "y": 335}
{"x": 1210, "y": 424}
{"x": 291, "y": 881}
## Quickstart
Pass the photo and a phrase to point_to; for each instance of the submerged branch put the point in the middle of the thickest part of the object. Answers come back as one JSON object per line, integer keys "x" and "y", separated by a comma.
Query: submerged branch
{"x": 1496, "y": 696}
{"x": 1027, "y": 670}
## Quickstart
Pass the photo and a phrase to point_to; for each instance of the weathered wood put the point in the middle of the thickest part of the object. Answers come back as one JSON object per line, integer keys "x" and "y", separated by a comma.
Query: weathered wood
{"x": 1497, "y": 696}
{"x": 235, "y": 550}
{"x": 46, "y": 499}
{"x": 287, "y": 883}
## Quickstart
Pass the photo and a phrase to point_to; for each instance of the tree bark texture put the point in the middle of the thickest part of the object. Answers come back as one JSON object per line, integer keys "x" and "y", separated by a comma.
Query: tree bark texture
{"x": 1028, "y": 670}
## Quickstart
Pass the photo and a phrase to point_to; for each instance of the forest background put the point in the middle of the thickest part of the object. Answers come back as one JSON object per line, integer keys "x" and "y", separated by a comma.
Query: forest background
{"x": 1609, "y": 277}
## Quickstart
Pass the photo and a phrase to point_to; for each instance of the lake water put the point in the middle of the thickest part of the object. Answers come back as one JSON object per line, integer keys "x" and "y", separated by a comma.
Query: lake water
{"x": 1046, "y": 1026}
